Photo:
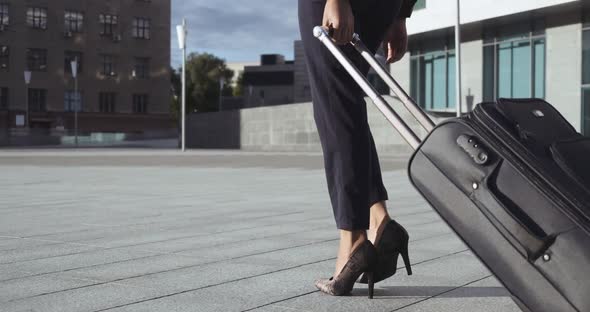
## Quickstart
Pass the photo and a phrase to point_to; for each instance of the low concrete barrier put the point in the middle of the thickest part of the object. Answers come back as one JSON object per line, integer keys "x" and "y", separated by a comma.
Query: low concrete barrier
{"x": 285, "y": 128}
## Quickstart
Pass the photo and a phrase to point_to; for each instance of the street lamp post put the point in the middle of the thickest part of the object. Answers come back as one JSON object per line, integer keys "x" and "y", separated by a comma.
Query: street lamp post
{"x": 221, "y": 84}
{"x": 74, "y": 65}
{"x": 182, "y": 33}
{"x": 28, "y": 75}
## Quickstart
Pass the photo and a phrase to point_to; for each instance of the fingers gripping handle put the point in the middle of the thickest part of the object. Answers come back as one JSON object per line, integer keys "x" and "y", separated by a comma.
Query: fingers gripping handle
{"x": 322, "y": 34}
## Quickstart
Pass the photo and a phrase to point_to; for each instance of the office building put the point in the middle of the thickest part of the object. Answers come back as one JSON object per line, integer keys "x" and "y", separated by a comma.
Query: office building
{"x": 514, "y": 49}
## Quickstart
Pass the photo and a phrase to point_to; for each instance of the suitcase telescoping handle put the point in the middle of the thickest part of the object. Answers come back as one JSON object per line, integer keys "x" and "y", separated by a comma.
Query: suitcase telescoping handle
{"x": 398, "y": 123}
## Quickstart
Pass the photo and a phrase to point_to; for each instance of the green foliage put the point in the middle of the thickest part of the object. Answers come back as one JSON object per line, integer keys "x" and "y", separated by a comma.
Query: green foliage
{"x": 175, "y": 91}
{"x": 204, "y": 72}
{"x": 239, "y": 88}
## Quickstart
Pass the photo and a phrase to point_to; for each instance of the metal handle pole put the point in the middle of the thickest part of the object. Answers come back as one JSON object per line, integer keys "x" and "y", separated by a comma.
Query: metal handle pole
{"x": 408, "y": 102}
{"x": 390, "y": 114}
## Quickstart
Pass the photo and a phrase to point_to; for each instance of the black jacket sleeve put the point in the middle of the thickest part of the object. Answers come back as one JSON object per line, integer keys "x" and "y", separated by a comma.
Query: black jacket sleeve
{"x": 407, "y": 8}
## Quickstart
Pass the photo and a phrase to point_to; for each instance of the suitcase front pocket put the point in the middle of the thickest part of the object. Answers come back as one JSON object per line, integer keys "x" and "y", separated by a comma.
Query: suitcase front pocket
{"x": 510, "y": 219}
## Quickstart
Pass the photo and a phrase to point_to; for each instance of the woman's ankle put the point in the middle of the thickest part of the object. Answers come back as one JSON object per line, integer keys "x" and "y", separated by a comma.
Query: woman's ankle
{"x": 379, "y": 216}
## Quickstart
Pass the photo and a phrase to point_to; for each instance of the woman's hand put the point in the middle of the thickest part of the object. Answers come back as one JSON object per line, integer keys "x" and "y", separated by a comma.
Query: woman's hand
{"x": 396, "y": 41}
{"x": 338, "y": 17}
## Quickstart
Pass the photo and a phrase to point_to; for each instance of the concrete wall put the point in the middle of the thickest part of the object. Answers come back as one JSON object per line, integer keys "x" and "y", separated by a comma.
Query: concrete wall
{"x": 302, "y": 89}
{"x": 564, "y": 71}
{"x": 401, "y": 72}
{"x": 273, "y": 95}
{"x": 283, "y": 128}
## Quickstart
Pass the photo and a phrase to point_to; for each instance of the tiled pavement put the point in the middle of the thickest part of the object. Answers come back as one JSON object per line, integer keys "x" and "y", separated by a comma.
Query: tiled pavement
{"x": 98, "y": 230}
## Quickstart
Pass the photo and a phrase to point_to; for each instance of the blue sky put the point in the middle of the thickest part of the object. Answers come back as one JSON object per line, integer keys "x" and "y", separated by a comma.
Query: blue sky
{"x": 238, "y": 31}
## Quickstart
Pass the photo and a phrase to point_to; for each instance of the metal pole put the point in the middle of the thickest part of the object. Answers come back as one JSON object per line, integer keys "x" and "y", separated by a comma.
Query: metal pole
{"x": 27, "y": 120}
{"x": 220, "y": 93}
{"x": 458, "y": 58}
{"x": 184, "y": 88}
{"x": 76, "y": 106}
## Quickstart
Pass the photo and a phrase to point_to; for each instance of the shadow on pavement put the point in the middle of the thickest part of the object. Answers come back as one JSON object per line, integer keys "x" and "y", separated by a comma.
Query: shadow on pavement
{"x": 389, "y": 292}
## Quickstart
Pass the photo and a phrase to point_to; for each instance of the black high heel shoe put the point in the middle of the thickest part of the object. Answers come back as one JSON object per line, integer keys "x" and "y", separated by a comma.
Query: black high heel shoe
{"x": 362, "y": 260}
{"x": 393, "y": 243}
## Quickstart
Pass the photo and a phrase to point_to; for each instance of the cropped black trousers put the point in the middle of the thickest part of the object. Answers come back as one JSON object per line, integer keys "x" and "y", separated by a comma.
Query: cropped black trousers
{"x": 350, "y": 158}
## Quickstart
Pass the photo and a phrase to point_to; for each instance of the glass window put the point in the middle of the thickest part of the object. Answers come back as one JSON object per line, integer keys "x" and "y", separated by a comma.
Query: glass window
{"x": 420, "y": 4}
{"x": 489, "y": 71}
{"x": 69, "y": 57}
{"x": 586, "y": 111}
{"x": 4, "y": 14}
{"x": 108, "y": 24}
{"x": 514, "y": 67}
{"x": 109, "y": 67}
{"x": 3, "y": 98}
{"x": 140, "y": 103}
{"x": 4, "y": 58}
{"x": 37, "y": 18}
{"x": 586, "y": 57}
{"x": 37, "y": 59}
{"x": 142, "y": 67}
{"x": 433, "y": 80}
{"x": 141, "y": 28}
{"x": 37, "y": 100}
{"x": 539, "y": 68}
{"x": 106, "y": 102}
{"x": 74, "y": 21}
{"x": 73, "y": 101}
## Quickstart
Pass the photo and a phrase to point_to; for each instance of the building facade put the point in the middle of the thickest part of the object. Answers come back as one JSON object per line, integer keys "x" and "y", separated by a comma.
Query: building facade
{"x": 518, "y": 49}
{"x": 270, "y": 83}
{"x": 121, "y": 46}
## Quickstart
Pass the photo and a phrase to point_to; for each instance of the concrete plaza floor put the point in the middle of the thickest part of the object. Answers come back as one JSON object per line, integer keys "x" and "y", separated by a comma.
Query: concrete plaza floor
{"x": 125, "y": 230}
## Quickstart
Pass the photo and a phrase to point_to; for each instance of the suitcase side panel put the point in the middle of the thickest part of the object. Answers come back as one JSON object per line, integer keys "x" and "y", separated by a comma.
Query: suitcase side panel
{"x": 441, "y": 167}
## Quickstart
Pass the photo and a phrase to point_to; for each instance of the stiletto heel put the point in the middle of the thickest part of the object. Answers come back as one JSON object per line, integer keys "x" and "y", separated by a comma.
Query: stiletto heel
{"x": 406, "y": 257}
{"x": 393, "y": 243}
{"x": 371, "y": 281}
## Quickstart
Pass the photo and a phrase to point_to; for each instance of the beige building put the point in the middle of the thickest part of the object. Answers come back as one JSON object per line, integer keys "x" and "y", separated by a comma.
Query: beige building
{"x": 124, "y": 58}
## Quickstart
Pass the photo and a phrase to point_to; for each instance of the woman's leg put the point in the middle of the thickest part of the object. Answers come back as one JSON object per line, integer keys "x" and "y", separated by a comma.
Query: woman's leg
{"x": 350, "y": 158}
{"x": 374, "y": 21}
{"x": 338, "y": 110}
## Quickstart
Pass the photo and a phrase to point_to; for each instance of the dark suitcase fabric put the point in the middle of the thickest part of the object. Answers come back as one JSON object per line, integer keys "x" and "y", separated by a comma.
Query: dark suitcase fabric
{"x": 573, "y": 157}
{"x": 508, "y": 196}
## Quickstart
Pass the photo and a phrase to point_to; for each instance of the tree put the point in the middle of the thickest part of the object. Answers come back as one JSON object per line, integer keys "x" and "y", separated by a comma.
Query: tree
{"x": 204, "y": 72}
{"x": 239, "y": 89}
{"x": 175, "y": 92}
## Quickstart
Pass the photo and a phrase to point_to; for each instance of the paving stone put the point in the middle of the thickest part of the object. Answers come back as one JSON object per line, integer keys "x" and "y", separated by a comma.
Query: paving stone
{"x": 207, "y": 231}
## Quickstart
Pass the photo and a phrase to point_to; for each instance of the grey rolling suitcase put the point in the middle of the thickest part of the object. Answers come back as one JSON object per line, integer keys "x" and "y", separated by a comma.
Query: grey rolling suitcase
{"x": 512, "y": 179}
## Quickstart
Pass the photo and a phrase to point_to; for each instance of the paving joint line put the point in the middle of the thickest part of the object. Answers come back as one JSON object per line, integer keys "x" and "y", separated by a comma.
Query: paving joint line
{"x": 176, "y": 253}
{"x": 254, "y": 276}
{"x": 414, "y": 264}
{"x": 442, "y": 293}
{"x": 214, "y": 262}
{"x": 102, "y": 248}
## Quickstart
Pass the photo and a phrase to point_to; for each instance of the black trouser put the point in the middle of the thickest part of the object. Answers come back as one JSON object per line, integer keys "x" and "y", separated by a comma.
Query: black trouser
{"x": 340, "y": 111}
